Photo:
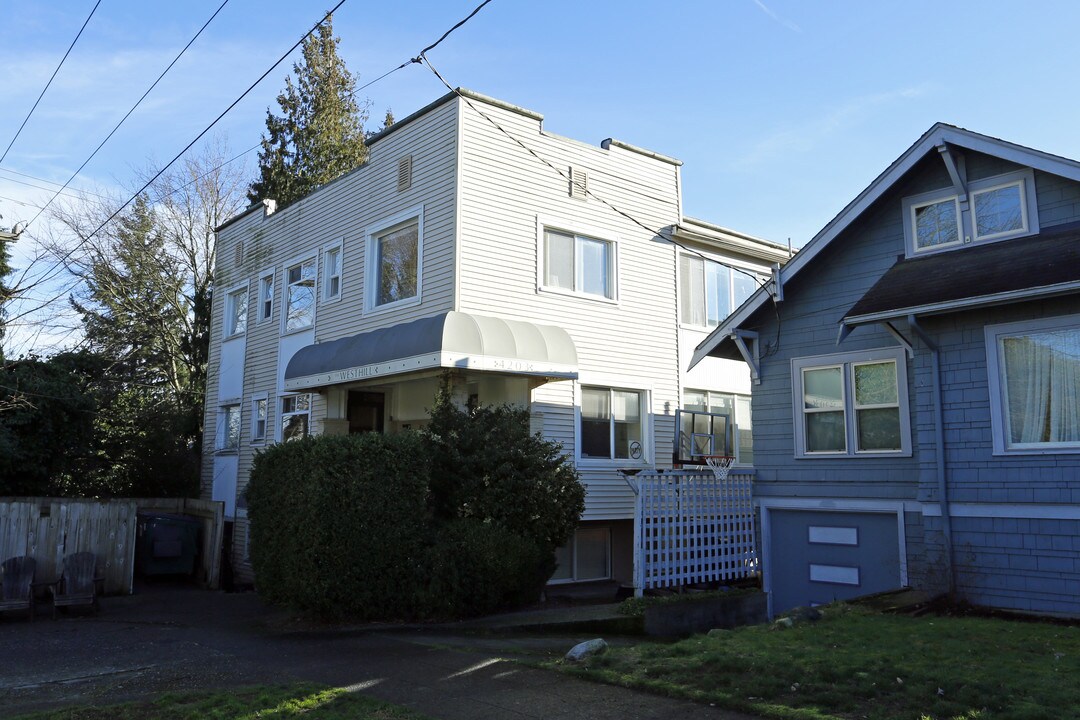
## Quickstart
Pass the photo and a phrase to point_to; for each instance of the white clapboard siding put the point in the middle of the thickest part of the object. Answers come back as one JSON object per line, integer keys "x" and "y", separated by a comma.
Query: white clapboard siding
{"x": 341, "y": 211}
{"x": 632, "y": 343}
{"x": 692, "y": 528}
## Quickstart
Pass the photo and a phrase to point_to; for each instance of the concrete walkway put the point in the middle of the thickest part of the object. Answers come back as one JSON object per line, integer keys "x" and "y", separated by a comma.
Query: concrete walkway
{"x": 176, "y": 638}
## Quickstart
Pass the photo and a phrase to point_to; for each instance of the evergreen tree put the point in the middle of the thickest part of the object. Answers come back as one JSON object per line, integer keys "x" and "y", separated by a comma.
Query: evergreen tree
{"x": 320, "y": 133}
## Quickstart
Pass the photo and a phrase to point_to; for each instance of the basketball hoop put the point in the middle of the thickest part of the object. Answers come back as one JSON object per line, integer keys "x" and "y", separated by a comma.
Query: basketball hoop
{"x": 719, "y": 464}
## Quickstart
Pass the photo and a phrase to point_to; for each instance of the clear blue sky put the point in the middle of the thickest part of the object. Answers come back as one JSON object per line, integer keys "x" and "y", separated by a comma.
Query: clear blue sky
{"x": 781, "y": 110}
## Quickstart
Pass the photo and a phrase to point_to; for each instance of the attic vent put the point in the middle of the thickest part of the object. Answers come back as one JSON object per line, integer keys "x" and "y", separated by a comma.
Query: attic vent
{"x": 238, "y": 260}
{"x": 579, "y": 184}
{"x": 404, "y": 173}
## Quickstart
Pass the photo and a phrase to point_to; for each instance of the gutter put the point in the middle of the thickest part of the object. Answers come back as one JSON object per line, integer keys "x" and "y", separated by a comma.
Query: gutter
{"x": 939, "y": 453}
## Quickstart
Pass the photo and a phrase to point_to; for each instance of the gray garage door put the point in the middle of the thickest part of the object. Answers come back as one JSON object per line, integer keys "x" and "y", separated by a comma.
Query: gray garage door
{"x": 817, "y": 557}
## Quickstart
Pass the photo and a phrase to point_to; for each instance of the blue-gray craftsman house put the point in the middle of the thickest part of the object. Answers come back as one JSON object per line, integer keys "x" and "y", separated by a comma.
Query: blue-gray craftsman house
{"x": 916, "y": 397}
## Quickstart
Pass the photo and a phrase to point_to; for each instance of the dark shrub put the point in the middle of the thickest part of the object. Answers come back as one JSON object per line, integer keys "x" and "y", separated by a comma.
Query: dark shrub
{"x": 460, "y": 519}
{"x": 487, "y": 466}
{"x": 476, "y": 568}
{"x": 339, "y": 524}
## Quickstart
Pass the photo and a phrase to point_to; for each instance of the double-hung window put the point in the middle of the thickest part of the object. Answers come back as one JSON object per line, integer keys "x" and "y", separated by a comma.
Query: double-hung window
{"x": 332, "y": 272}
{"x": 1034, "y": 378}
{"x": 295, "y": 417}
{"x": 260, "y": 407}
{"x": 228, "y": 429}
{"x": 995, "y": 208}
{"x": 612, "y": 424}
{"x": 300, "y": 295}
{"x": 851, "y": 404}
{"x": 266, "y": 297}
{"x": 579, "y": 264}
{"x": 236, "y": 312}
{"x": 395, "y": 261}
{"x": 710, "y": 291}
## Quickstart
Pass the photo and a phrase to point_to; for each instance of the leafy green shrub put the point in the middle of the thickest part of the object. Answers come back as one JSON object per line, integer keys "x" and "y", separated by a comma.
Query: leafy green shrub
{"x": 339, "y": 524}
{"x": 488, "y": 466}
{"x": 460, "y": 519}
{"x": 476, "y": 568}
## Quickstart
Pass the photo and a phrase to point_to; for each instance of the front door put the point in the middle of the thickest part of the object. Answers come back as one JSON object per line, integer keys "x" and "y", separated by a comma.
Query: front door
{"x": 366, "y": 411}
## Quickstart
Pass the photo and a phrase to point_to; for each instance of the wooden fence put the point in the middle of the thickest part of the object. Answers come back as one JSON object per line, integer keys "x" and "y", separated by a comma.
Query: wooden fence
{"x": 691, "y": 527}
{"x": 50, "y": 528}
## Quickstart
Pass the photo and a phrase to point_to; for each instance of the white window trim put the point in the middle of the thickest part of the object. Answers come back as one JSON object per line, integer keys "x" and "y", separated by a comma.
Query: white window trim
{"x": 278, "y": 429}
{"x": 645, "y": 394}
{"x": 577, "y": 230}
{"x": 736, "y": 416}
{"x": 998, "y": 401}
{"x": 372, "y": 234}
{"x": 760, "y": 274}
{"x": 847, "y": 361}
{"x": 267, "y": 273}
{"x": 219, "y": 430}
{"x": 966, "y": 221}
{"x": 912, "y": 204}
{"x": 255, "y": 400}
{"x": 339, "y": 246}
{"x": 1024, "y": 213}
{"x": 299, "y": 260}
{"x": 226, "y": 320}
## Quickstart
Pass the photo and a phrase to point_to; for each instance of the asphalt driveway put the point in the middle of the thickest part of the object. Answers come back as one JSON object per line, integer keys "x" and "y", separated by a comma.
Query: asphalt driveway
{"x": 180, "y": 638}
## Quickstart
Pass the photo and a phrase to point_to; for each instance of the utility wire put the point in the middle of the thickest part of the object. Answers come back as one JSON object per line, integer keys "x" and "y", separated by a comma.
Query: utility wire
{"x": 77, "y": 36}
{"x": 128, "y": 114}
{"x": 590, "y": 193}
{"x": 418, "y": 59}
{"x": 62, "y": 262}
{"x": 46, "y": 189}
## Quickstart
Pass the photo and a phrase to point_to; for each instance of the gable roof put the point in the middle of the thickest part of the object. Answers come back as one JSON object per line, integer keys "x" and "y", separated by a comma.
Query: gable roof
{"x": 938, "y": 135}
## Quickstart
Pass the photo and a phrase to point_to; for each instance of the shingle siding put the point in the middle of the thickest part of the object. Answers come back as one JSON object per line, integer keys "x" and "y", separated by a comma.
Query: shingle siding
{"x": 1004, "y": 556}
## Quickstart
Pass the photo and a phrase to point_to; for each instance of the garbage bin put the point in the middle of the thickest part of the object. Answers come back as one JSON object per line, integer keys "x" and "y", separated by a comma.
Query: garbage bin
{"x": 166, "y": 544}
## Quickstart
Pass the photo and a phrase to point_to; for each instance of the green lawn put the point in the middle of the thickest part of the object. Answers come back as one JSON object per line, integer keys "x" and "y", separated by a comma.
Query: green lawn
{"x": 856, "y": 664}
{"x": 266, "y": 703}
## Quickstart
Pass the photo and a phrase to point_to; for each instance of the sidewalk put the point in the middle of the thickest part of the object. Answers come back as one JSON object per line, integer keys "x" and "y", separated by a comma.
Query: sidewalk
{"x": 184, "y": 639}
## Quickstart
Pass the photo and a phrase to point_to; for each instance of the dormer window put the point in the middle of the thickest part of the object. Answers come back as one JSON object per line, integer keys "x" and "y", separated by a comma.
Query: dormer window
{"x": 996, "y": 208}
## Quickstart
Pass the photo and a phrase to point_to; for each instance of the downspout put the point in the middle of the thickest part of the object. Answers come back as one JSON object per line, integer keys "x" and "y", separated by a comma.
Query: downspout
{"x": 939, "y": 451}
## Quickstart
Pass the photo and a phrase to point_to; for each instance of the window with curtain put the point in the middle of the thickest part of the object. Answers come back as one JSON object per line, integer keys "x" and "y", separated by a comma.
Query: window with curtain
{"x": 1037, "y": 378}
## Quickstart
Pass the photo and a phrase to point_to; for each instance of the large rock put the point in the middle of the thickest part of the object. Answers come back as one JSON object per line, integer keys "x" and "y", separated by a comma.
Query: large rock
{"x": 586, "y": 650}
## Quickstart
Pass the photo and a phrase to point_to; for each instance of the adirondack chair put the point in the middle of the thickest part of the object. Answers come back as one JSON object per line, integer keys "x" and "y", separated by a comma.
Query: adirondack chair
{"x": 78, "y": 583}
{"x": 17, "y": 579}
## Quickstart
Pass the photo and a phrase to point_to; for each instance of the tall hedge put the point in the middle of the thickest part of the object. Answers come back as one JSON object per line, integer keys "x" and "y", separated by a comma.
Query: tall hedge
{"x": 339, "y": 524}
{"x": 459, "y": 519}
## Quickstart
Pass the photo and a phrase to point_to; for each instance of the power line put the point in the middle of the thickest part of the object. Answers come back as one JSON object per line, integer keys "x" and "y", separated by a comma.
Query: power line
{"x": 62, "y": 262}
{"x": 588, "y": 192}
{"x": 77, "y": 36}
{"x": 39, "y": 187}
{"x": 128, "y": 114}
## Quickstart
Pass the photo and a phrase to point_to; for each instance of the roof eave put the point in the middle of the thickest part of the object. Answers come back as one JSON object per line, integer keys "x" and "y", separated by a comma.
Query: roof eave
{"x": 1003, "y": 298}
